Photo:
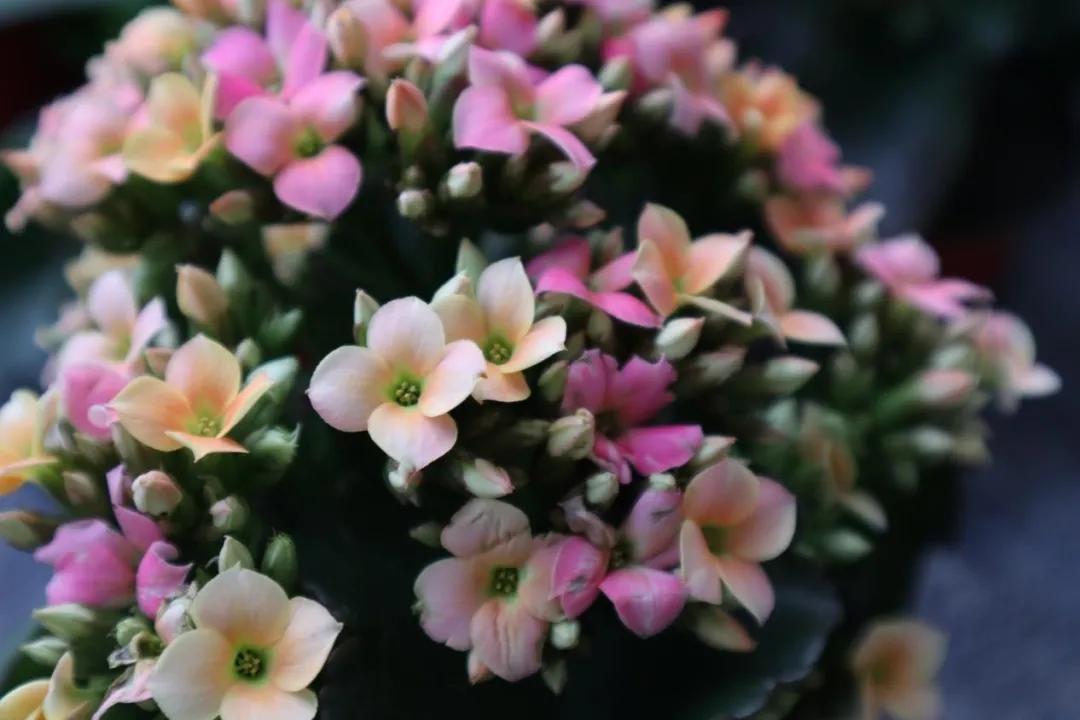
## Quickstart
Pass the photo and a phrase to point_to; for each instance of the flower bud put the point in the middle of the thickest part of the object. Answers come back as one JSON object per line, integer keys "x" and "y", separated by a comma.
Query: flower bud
{"x": 414, "y": 204}
{"x": 429, "y": 534}
{"x": 572, "y": 437}
{"x": 406, "y": 107}
{"x": 460, "y": 284}
{"x": 81, "y": 490}
{"x": 45, "y": 651}
{"x": 822, "y": 274}
{"x": 234, "y": 553}
{"x": 679, "y": 337}
{"x": 662, "y": 481}
{"x": 201, "y": 299}
{"x": 600, "y": 329}
{"x": 128, "y": 628}
{"x": 486, "y": 480}
{"x": 470, "y": 260}
{"x": 563, "y": 177}
{"x": 565, "y": 634}
{"x": 155, "y": 493}
{"x": 713, "y": 368}
{"x": 403, "y": 478}
{"x": 132, "y": 453}
{"x": 173, "y": 619}
{"x": 944, "y": 388}
{"x": 464, "y": 181}
{"x": 719, "y": 630}
{"x": 248, "y": 353}
{"x": 970, "y": 447}
{"x": 364, "y": 308}
{"x": 24, "y": 530}
{"x": 616, "y": 74}
{"x": 555, "y": 674}
{"x": 601, "y": 488}
{"x": 524, "y": 434}
{"x": 864, "y": 335}
{"x": 868, "y": 295}
{"x": 229, "y": 515}
{"x": 552, "y": 381}
{"x": 845, "y": 545}
{"x": 784, "y": 375}
{"x": 69, "y": 622}
{"x": 234, "y": 278}
{"x": 599, "y": 126}
{"x": 931, "y": 443}
{"x": 713, "y": 448}
{"x": 278, "y": 331}
{"x": 235, "y": 207}
{"x": 279, "y": 561}
{"x": 251, "y": 12}
{"x": 273, "y": 449}
{"x": 347, "y": 38}
{"x": 551, "y": 28}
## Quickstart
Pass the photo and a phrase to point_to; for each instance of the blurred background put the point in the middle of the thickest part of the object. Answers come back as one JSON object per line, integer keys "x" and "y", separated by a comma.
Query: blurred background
{"x": 968, "y": 111}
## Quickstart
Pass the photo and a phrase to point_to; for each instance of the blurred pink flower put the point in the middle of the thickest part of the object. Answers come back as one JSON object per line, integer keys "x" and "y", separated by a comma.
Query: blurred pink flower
{"x": 808, "y": 162}
{"x": 622, "y": 400}
{"x": 817, "y": 222}
{"x": 772, "y": 289}
{"x": 1006, "y": 350}
{"x": 896, "y": 663}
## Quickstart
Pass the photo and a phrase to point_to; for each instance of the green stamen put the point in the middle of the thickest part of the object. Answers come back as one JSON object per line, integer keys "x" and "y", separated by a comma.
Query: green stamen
{"x": 206, "y": 426}
{"x": 249, "y": 664}
{"x": 406, "y": 392}
{"x": 504, "y": 581}
{"x": 309, "y": 144}
{"x": 715, "y": 538}
{"x": 497, "y": 350}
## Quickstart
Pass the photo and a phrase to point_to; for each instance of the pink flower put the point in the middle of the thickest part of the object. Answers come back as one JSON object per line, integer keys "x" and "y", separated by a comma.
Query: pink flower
{"x": 812, "y": 223}
{"x": 87, "y": 390}
{"x": 734, "y": 521}
{"x": 500, "y": 320}
{"x": 766, "y": 105}
{"x": 501, "y": 25}
{"x": 895, "y": 663}
{"x": 672, "y": 271}
{"x": 910, "y": 269}
{"x": 772, "y": 288}
{"x": 623, "y": 400}
{"x": 618, "y": 11}
{"x": 1006, "y": 349}
{"x": 808, "y": 162}
{"x": 156, "y": 41}
{"x": 361, "y": 31}
{"x": 493, "y": 598}
{"x": 402, "y": 386}
{"x": 503, "y": 106}
{"x": 565, "y": 270}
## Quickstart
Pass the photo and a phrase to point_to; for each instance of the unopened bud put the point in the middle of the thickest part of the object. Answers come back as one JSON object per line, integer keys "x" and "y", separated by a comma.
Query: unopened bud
{"x": 69, "y": 622}
{"x": 954, "y": 355}
{"x": 720, "y": 630}
{"x": 864, "y": 335}
{"x": 274, "y": 449}
{"x": 81, "y": 490}
{"x": 601, "y": 488}
{"x": 155, "y": 493}
{"x": 714, "y": 368}
{"x": 45, "y": 651}
{"x": 279, "y": 561}
{"x": 823, "y": 274}
{"x": 555, "y": 674}
{"x": 784, "y": 375}
{"x": 234, "y": 554}
{"x": 470, "y": 260}
{"x": 460, "y": 284}
{"x": 551, "y": 28}
{"x": 563, "y": 177}
{"x": 600, "y": 328}
{"x": 616, "y": 74}
{"x": 599, "y": 126}
{"x": 229, "y": 515}
{"x": 524, "y": 434}
{"x": 845, "y": 545}
{"x": 24, "y": 530}
{"x": 552, "y": 381}
{"x": 662, "y": 481}
{"x": 347, "y": 38}
{"x": 406, "y": 107}
{"x": 868, "y": 295}
{"x": 464, "y": 181}
{"x": 201, "y": 298}
{"x": 572, "y": 436}
{"x": 234, "y": 278}
{"x": 970, "y": 448}
{"x": 931, "y": 443}
{"x": 128, "y": 628}
{"x": 173, "y": 619}
{"x": 403, "y": 477}
{"x": 944, "y": 388}
{"x": 234, "y": 207}
{"x": 679, "y": 337}
{"x": 565, "y": 634}
{"x": 364, "y": 308}
{"x": 486, "y": 480}
{"x": 429, "y": 534}
{"x": 713, "y": 448}
{"x": 414, "y": 204}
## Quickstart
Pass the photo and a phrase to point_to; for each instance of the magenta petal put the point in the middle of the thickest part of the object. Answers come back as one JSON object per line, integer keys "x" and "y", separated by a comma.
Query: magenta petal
{"x": 140, "y": 530}
{"x": 84, "y": 387}
{"x": 97, "y": 578}
{"x": 233, "y": 90}
{"x": 647, "y": 601}
{"x": 119, "y": 483}
{"x": 560, "y": 280}
{"x": 640, "y": 389}
{"x": 626, "y": 307}
{"x": 241, "y": 52}
{"x": 484, "y": 120}
{"x": 157, "y": 578}
{"x": 73, "y": 538}
{"x": 616, "y": 275}
{"x": 322, "y": 186}
{"x": 329, "y": 103}
{"x": 579, "y": 569}
{"x": 503, "y": 70}
{"x": 261, "y": 132}
{"x": 567, "y": 96}
{"x": 587, "y": 382}
{"x": 572, "y": 255}
{"x": 508, "y": 25}
{"x": 659, "y": 449}
{"x": 568, "y": 143}
{"x": 307, "y": 58}
{"x": 609, "y": 455}
{"x": 283, "y": 26}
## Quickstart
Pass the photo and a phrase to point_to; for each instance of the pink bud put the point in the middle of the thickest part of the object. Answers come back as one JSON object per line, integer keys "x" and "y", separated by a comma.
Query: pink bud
{"x": 201, "y": 298}
{"x": 406, "y": 107}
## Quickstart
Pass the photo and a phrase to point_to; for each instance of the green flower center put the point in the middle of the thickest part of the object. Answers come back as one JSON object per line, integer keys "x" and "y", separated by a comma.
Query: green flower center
{"x": 715, "y": 538}
{"x": 504, "y": 581}
{"x": 206, "y": 426}
{"x": 406, "y": 391}
{"x": 250, "y": 664}
{"x": 498, "y": 350}
{"x": 309, "y": 144}
{"x": 620, "y": 556}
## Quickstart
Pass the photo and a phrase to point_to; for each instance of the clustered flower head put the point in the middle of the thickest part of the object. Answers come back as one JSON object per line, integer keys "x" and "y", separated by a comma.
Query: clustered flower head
{"x": 615, "y": 400}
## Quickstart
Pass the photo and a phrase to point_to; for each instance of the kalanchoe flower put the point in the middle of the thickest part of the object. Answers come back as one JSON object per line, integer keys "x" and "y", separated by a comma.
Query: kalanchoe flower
{"x": 618, "y": 11}
{"x": 253, "y": 653}
{"x": 57, "y": 698}
{"x": 909, "y": 268}
{"x": 772, "y": 290}
{"x": 22, "y": 424}
{"x": 500, "y": 320}
{"x": 672, "y": 271}
{"x": 817, "y": 222}
{"x": 178, "y": 134}
{"x": 360, "y": 31}
{"x": 503, "y": 106}
{"x": 1006, "y": 349}
{"x": 895, "y": 663}
{"x": 156, "y": 41}
{"x": 402, "y": 386}
{"x": 197, "y": 404}
{"x": 565, "y": 270}
{"x": 493, "y": 598}
{"x": 808, "y": 162}
{"x": 734, "y": 521}
{"x": 135, "y": 689}
{"x": 623, "y": 400}
{"x": 766, "y": 105}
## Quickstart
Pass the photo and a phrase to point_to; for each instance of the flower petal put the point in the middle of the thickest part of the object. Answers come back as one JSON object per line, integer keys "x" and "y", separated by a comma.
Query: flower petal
{"x": 453, "y": 379}
{"x": 500, "y": 386}
{"x": 700, "y": 570}
{"x": 651, "y": 275}
{"x": 504, "y": 292}
{"x": 810, "y": 327}
{"x": 508, "y": 25}
{"x": 646, "y": 600}
{"x": 139, "y": 530}
{"x": 243, "y": 606}
{"x": 625, "y": 307}
{"x": 201, "y": 446}
{"x": 587, "y": 382}
{"x": 409, "y": 436}
{"x": 769, "y": 530}
{"x": 450, "y": 592}
{"x": 242, "y": 52}
{"x": 711, "y": 258}
{"x": 482, "y": 524}
{"x": 347, "y": 386}
{"x": 111, "y": 304}
{"x": 322, "y": 186}
{"x": 148, "y": 409}
{"x": 578, "y": 572}
{"x": 192, "y": 676}
{"x": 749, "y": 584}
{"x": 567, "y": 143}
{"x": 268, "y": 702}
{"x": 546, "y": 338}
{"x": 302, "y": 651}
{"x": 157, "y": 578}
{"x": 408, "y": 335}
{"x": 724, "y": 494}
{"x": 329, "y": 104}
{"x": 462, "y": 317}
{"x": 572, "y": 255}
{"x": 659, "y": 449}
{"x": 639, "y": 390}
{"x": 151, "y": 320}
{"x": 484, "y": 120}
{"x": 242, "y": 404}
{"x": 261, "y": 133}
{"x": 567, "y": 96}
{"x": 652, "y": 528}
{"x": 84, "y": 387}
{"x": 507, "y": 639}
{"x": 206, "y": 373}
{"x": 307, "y": 58}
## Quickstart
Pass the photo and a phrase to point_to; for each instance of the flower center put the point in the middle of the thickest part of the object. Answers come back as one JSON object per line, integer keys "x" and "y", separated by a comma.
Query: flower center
{"x": 620, "y": 556}
{"x": 250, "y": 664}
{"x": 504, "y": 581}
{"x": 309, "y": 144}
{"x": 406, "y": 392}
{"x": 497, "y": 350}
{"x": 715, "y": 538}
{"x": 206, "y": 426}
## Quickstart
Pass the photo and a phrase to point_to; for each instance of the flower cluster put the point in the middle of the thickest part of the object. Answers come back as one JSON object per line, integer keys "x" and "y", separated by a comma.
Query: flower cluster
{"x": 615, "y": 398}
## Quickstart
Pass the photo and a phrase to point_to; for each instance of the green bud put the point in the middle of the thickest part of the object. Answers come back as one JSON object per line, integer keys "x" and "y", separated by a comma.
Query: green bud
{"x": 45, "y": 651}
{"x": 864, "y": 335}
{"x": 524, "y": 434}
{"x": 24, "y": 530}
{"x": 234, "y": 554}
{"x": 563, "y": 178}
{"x": 414, "y": 204}
{"x": 136, "y": 457}
{"x": 229, "y": 515}
{"x": 364, "y": 308}
{"x": 572, "y": 436}
{"x": 713, "y": 448}
{"x": 616, "y": 74}
{"x": 234, "y": 279}
{"x": 662, "y": 481}
{"x": 470, "y": 260}
{"x": 282, "y": 372}
{"x": 460, "y": 284}
{"x": 69, "y": 622}
{"x": 274, "y": 449}
{"x": 155, "y": 493}
{"x": 464, "y": 181}
{"x": 279, "y": 330}
{"x": 720, "y": 630}
{"x": 248, "y": 353}
{"x": 485, "y": 479}
{"x": 713, "y": 368}
{"x": 822, "y": 274}
{"x": 601, "y": 489}
{"x": 429, "y": 534}
{"x": 679, "y": 337}
{"x": 279, "y": 561}
{"x": 845, "y": 545}
{"x": 785, "y": 375}
{"x": 128, "y": 628}
{"x": 868, "y": 294}
{"x": 565, "y": 634}
{"x": 553, "y": 673}
{"x": 552, "y": 381}
{"x": 81, "y": 490}
{"x": 600, "y": 328}
{"x": 931, "y": 443}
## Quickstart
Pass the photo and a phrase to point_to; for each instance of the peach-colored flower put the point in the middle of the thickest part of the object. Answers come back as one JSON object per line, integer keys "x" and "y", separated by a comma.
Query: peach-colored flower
{"x": 402, "y": 386}
{"x": 815, "y": 223}
{"x": 1006, "y": 350}
{"x": 766, "y": 104}
{"x": 179, "y": 132}
{"x": 253, "y": 653}
{"x": 22, "y": 424}
{"x": 54, "y": 699}
{"x": 734, "y": 521}
{"x": 772, "y": 290}
{"x": 500, "y": 320}
{"x": 895, "y": 663}
{"x": 672, "y": 271}
{"x": 195, "y": 406}
{"x": 157, "y": 40}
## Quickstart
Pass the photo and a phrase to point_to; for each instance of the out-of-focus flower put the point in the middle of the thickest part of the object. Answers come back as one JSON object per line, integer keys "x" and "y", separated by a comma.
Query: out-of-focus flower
{"x": 565, "y": 270}
{"x": 133, "y": 690}
{"x": 360, "y": 31}
{"x": 402, "y": 386}
{"x": 623, "y": 400}
{"x": 503, "y": 106}
{"x": 57, "y": 698}
{"x": 253, "y": 653}
{"x": 289, "y": 245}
{"x": 910, "y": 269}
{"x": 618, "y": 11}
{"x": 500, "y": 320}
{"x": 156, "y": 41}
{"x": 1006, "y": 349}
{"x": 22, "y": 424}
{"x": 896, "y": 663}
{"x": 734, "y": 521}
{"x": 178, "y": 134}
{"x": 817, "y": 222}
{"x": 808, "y": 162}
{"x": 672, "y": 270}
{"x": 766, "y": 105}
{"x": 772, "y": 289}
{"x": 197, "y": 404}
{"x": 201, "y": 298}
{"x": 493, "y": 598}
